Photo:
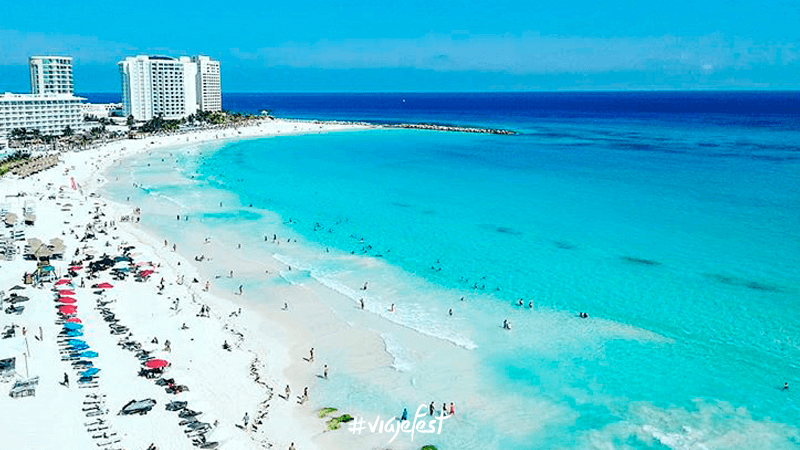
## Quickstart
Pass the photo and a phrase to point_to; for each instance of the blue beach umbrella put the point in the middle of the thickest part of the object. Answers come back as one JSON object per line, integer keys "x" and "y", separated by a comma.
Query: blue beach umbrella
{"x": 76, "y": 342}
{"x": 90, "y": 372}
{"x": 79, "y": 347}
{"x": 74, "y": 333}
{"x": 89, "y": 354}
{"x": 72, "y": 326}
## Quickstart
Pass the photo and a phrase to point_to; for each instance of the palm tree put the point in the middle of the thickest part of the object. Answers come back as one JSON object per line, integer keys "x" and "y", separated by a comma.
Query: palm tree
{"x": 67, "y": 131}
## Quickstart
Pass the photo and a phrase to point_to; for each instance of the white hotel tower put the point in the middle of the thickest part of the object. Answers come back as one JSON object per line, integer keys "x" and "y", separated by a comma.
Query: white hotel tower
{"x": 50, "y": 74}
{"x": 50, "y": 107}
{"x": 171, "y": 87}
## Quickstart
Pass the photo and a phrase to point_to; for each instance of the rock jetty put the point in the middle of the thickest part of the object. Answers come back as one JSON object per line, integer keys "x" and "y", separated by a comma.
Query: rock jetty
{"x": 425, "y": 126}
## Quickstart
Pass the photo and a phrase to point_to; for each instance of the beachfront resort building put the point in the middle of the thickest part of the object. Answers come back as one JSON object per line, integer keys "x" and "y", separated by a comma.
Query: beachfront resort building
{"x": 209, "y": 93}
{"x": 50, "y": 74}
{"x": 50, "y": 107}
{"x": 172, "y": 88}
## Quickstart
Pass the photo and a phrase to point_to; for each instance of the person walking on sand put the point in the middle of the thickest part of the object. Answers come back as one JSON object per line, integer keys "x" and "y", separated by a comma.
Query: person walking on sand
{"x": 444, "y": 409}
{"x": 452, "y": 409}
{"x": 288, "y": 392}
{"x": 240, "y": 289}
{"x": 325, "y": 372}
{"x": 66, "y": 380}
{"x": 246, "y": 419}
{"x": 311, "y": 355}
{"x": 291, "y": 446}
{"x": 361, "y": 300}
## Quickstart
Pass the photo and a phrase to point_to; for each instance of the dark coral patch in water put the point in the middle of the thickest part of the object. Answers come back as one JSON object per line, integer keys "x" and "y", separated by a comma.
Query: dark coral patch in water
{"x": 563, "y": 245}
{"x": 741, "y": 282}
{"x": 640, "y": 261}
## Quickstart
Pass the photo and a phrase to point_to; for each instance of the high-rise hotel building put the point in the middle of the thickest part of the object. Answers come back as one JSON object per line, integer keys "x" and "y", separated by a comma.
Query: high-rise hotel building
{"x": 50, "y": 107}
{"x": 172, "y": 88}
{"x": 50, "y": 74}
{"x": 209, "y": 94}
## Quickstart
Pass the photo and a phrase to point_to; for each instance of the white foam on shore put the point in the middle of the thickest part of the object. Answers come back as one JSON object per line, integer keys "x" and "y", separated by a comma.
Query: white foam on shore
{"x": 413, "y": 316}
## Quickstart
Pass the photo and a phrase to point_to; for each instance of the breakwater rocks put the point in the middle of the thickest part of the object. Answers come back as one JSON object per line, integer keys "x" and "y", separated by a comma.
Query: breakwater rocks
{"x": 425, "y": 126}
{"x": 413, "y": 126}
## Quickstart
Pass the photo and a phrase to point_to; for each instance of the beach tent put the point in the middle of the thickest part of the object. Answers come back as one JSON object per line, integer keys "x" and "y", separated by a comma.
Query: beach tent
{"x": 156, "y": 364}
{"x": 66, "y": 300}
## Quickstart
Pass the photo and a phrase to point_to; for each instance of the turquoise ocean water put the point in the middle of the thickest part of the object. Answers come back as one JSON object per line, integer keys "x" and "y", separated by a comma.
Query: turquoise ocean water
{"x": 678, "y": 233}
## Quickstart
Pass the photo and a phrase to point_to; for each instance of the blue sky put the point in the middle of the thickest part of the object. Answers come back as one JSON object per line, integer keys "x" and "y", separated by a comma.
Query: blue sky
{"x": 357, "y": 45}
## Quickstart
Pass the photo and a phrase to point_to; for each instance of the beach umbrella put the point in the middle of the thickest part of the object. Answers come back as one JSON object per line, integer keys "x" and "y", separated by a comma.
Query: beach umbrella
{"x": 79, "y": 347}
{"x": 89, "y": 354}
{"x": 75, "y": 333}
{"x": 66, "y": 292}
{"x": 156, "y": 364}
{"x": 76, "y": 342}
{"x": 74, "y": 320}
{"x": 63, "y": 281}
{"x": 66, "y": 300}
{"x": 72, "y": 326}
{"x": 68, "y": 309}
{"x": 74, "y": 268}
{"x": 89, "y": 372}
{"x": 105, "y": 286}
{"x": 16, "y": 288}
{"x": 123, "y": 258}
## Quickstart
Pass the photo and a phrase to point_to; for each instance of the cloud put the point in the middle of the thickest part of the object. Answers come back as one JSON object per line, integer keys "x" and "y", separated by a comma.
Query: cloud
{"x": 528, "y": 53}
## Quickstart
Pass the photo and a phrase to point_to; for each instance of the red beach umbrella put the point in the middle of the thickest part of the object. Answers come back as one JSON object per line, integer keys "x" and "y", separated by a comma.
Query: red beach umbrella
{"x": 68, "y": 309}
{"x": 156, "y": 364}
{"x": 76, "y": 268}
{"x": 74, "y": 320}
{"x": 66, "y": 300}
{"x": 63, "y": 281}
{"x": 66, "y": 292}
{"x": 105, "y": 285}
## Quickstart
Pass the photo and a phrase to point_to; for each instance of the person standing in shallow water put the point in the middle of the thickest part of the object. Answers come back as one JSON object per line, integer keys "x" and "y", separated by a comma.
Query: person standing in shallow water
{"x": 431, "y": 409}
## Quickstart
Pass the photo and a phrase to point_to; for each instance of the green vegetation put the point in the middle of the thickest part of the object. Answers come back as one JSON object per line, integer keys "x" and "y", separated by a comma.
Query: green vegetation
{"x": 13, "y": 160}
{"x": 325, "y": 411}
{"x": 428, "y": 447}
{"x": 336, "y": 422}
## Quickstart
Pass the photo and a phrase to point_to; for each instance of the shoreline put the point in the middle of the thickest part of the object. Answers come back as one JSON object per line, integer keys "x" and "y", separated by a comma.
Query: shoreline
{"x": 256, "y": 354}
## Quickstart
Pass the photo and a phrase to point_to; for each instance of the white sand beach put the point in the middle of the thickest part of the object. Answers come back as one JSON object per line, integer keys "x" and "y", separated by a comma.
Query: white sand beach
{"x": 225, "y": 358}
